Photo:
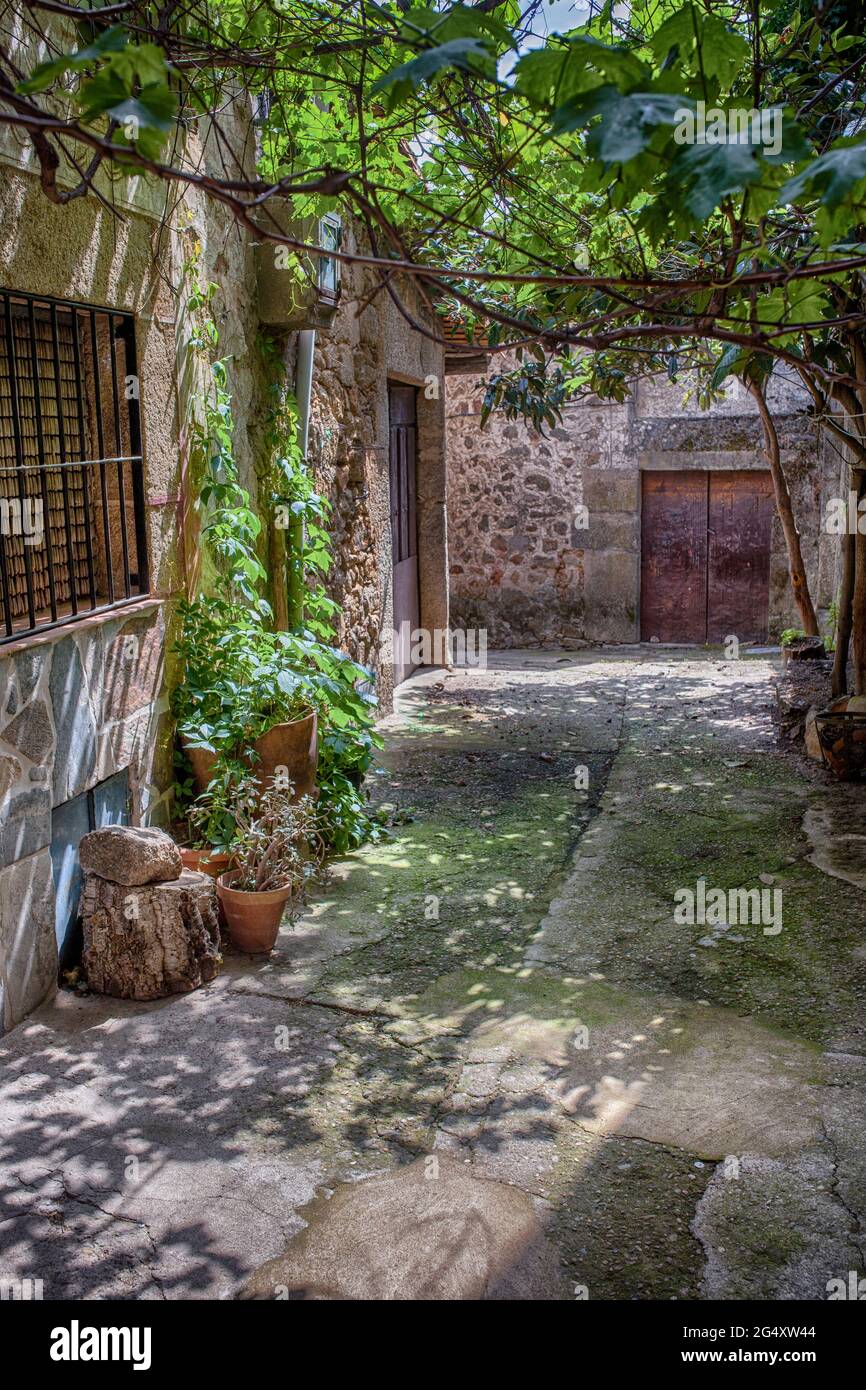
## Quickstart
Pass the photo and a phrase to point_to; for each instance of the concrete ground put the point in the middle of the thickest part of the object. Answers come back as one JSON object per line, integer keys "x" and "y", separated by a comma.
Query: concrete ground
{"x": 489, "y": 1061}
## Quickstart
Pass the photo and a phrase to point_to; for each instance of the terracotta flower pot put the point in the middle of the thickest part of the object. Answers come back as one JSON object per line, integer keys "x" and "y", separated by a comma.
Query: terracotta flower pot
{"x": 202, "y": 763}
{"x": 253, "y": 919}
{"x": 293, "y": 749}
{"x": 206, "y": 861}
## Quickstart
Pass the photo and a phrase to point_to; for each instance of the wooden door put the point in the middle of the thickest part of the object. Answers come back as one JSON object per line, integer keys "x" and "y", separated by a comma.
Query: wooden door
{"x": 739, "y": 526}
{"x": 674, "y": 557}
{"x": 404, "y": 524}
{"x": 705, "y": 555}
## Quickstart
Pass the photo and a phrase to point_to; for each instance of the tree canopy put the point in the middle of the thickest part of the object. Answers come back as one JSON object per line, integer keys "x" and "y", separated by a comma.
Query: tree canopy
{"x": 608, "y": 190}
{"x": 540, "y": 182}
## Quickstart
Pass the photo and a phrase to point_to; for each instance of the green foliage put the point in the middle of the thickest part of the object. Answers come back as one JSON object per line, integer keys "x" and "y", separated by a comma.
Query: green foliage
{"x": 121, "y": 80}
{"x": 347, "y": 734}
{"x": 240, "y": 679}
{"x": 277, "y": 842}
{"x": 212, "y": 816}
{"x": 533, "y": 390}
{"x": 469, "y": 54}
{"x": 230, "y": 527}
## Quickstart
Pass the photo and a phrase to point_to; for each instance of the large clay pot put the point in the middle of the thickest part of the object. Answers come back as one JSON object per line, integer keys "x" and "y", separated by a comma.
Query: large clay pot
{"x": 202, "y": 763}
{"x": 253, "y": 919}
{"x": 291, "y": 749}
{"x": 206, "y": 861}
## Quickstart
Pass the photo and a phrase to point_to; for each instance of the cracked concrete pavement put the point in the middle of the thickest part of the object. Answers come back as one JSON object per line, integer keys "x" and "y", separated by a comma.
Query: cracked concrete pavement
{"x": 488, "y": 1061}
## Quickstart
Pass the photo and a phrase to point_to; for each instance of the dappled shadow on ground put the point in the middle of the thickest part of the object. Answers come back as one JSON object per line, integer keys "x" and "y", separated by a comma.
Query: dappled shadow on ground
{"x": 169, "y": 1149}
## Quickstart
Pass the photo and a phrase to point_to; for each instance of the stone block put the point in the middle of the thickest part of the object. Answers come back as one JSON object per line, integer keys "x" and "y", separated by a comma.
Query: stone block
{"x": 31, "y": 733}
{"x": 419, "y": 1233}
{"x": 132, "y": 667}
{"x": 612, "y": 585}
{"x": 28, "y": 947}
{"x": 610, "y": 490}
{"x": 75, "y": 751}
{"x": 10, "y": 771}
{"x": 610, "y": 531}
{"x": 29, "y": 666}
{"x": 130, "y": 854}
{"x": 25, "y": 824}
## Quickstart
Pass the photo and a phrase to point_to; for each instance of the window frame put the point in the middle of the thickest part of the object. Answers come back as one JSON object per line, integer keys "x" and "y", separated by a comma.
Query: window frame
{"x": 119, "y": 326}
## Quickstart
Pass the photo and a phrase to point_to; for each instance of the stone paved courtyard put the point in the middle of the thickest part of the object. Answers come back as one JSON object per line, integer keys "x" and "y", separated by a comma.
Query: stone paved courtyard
{"x": 488, "y": 1062}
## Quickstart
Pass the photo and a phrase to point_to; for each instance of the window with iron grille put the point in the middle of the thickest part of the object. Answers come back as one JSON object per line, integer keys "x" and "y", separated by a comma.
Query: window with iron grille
{"x": 72, "y": 529}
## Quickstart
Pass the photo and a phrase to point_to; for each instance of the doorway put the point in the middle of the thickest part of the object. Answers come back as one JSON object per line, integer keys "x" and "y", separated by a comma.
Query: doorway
{"x": 403, "y": 473}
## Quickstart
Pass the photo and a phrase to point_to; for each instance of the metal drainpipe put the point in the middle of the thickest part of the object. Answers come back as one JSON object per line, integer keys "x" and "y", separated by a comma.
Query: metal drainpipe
{"x": 303, "y": 392}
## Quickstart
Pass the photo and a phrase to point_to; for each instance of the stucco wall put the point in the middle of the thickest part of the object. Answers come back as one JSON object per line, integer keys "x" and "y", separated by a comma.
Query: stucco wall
{"x": 524, "y": 567}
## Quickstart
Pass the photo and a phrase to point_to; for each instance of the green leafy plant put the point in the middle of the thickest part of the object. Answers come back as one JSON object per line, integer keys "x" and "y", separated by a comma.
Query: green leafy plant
{"x": 791, "y": 635}
{"x": 240, "y": 679}
{"x": 230, "y": 527}
{"x": 211, "y": 817}
{"x": 277, "y": 842}
{"x": 345, "y": 703}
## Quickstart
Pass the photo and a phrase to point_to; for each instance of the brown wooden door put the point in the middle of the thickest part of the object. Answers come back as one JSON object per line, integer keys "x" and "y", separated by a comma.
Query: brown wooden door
{"x": 705, "y": 555}
{"x": 404, "y": 524}
{"x": 674, "y": 557}
{"x": 740, "y": 522}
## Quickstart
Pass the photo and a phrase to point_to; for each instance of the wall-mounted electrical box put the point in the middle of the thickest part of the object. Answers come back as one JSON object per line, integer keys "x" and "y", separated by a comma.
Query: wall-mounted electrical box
{"x": 298, "y": 289}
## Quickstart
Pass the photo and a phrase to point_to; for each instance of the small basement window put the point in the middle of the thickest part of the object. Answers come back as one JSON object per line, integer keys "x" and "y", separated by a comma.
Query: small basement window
{"x": 105, "y": 804}
{"x": 72, "y": 513}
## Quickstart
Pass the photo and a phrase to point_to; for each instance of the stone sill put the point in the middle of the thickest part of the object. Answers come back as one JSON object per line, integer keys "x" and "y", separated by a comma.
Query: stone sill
{"x": 87, "y": 621}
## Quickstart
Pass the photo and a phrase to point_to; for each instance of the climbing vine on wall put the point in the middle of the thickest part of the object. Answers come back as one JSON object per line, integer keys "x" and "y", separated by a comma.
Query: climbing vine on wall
{"x": 300, "y": 512}
{"x": 230, "y": 528}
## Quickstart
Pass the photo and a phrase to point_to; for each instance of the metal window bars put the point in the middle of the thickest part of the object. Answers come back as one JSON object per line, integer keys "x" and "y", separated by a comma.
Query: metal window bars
{"x": 72, "y": 505}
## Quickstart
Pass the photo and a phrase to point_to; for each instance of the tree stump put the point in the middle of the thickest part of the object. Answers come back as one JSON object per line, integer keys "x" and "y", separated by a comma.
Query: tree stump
{"x": 152, "y": 940}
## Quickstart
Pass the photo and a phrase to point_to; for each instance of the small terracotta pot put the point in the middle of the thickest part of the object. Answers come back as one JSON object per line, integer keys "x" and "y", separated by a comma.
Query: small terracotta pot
{"x": 293, "y": 747}
{"x": 253, "y": 919}
{"x": 206, "y": 861}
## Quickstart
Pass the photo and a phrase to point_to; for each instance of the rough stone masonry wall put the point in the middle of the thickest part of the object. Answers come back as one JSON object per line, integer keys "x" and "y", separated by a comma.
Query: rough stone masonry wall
{"x": 522, "y": 566}
{"x": 349, "y": 436}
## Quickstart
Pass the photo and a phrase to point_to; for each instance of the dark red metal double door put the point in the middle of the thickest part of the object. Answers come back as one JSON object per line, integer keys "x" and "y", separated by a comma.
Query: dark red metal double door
{"x": 705, "y": 555}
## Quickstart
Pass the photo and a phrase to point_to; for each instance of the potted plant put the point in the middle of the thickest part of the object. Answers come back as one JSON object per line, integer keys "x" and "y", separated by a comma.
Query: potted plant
{"x": 210, "y": 825}
{"x": 253, "y": 695}
{"x": 276, "y": 848}
{"x": 246, "y": 694}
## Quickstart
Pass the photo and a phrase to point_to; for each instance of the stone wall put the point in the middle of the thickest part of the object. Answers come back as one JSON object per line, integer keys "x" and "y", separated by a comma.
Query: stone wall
{"x": 355, "y": 359}
{"x": 85, "y": 701}
{"x": 523, "y": 565}
{"x": 76, "y": 707}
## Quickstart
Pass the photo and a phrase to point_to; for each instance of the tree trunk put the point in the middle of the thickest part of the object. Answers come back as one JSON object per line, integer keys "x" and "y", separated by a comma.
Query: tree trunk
{"x": 858, "y": 615}
{"x": 278, "y": 575}
{"x": 150, "y": 941}
{"x": 796, "y": 568}
{"x": 844, "y": 618}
